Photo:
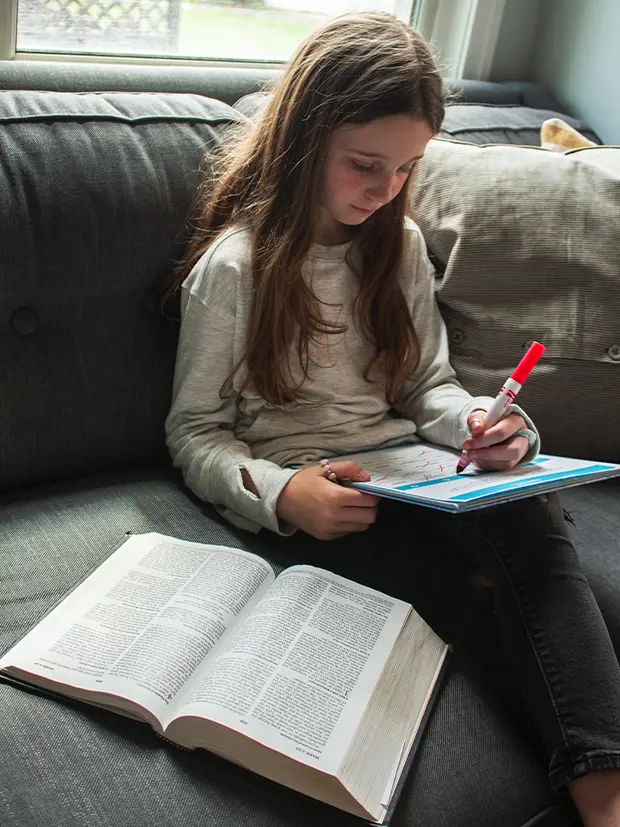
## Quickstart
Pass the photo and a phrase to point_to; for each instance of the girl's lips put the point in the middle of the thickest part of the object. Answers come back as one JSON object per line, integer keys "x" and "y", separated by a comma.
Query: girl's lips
{"x": 362, "y": 210}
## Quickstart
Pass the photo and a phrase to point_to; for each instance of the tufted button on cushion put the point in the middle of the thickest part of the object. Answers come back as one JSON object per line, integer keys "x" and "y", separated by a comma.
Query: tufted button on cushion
{"x": 24, "y": 321}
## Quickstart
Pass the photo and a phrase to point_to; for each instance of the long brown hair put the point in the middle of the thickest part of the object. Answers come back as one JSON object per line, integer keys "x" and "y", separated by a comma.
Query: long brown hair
{"x": 353, "y": 70}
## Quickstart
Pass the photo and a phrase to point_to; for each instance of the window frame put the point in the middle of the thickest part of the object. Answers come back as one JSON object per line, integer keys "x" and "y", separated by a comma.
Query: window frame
{"x": 464, "y": 32}
{"x": 8, "y": 29}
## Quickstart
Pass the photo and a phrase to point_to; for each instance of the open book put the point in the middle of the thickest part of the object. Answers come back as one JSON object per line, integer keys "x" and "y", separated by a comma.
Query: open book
{"x": 307, "y": 678}
{"x": 425, "y": 474}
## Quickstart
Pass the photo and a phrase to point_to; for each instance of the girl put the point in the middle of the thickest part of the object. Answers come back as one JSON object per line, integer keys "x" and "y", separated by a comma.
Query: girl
{"x": 309, "y": 329}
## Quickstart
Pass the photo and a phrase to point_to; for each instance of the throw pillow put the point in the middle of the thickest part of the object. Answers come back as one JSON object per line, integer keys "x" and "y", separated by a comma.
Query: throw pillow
{"x": 605, "y": 157}
{"x": 558, "y": 136}
{"x": 526, "y": 244}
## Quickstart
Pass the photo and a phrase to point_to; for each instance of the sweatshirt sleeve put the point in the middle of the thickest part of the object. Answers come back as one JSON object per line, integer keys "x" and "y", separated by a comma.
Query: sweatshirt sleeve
{"x": 434, "y": 398}
{"x": 200, "y": 426}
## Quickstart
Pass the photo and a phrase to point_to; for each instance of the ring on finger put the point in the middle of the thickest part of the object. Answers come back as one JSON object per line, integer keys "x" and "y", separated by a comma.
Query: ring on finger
{"x": 328, "y": 472}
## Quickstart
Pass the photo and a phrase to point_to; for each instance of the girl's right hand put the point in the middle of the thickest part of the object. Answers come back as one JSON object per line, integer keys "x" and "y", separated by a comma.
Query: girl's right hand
{"x": 324, "y": 509}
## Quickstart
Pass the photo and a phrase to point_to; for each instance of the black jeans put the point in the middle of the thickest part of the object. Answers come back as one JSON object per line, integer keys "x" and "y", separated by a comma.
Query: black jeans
{"x": 504, "y": 585}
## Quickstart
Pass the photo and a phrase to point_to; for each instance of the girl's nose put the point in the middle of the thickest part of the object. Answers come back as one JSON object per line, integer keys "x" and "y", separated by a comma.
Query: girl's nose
{"x": 384, "y": 189}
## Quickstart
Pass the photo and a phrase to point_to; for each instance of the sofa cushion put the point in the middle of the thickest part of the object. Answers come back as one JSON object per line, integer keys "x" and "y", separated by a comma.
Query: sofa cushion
{"x": 94, "y": 194}
{"x": 478, "y": 123}
{"x": 67, "y": 764}
{"x": 526, "y": 241}
{"x": 502, "y": 124}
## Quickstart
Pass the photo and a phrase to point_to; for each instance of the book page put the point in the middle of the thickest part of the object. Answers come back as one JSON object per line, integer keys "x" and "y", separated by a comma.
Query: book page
{"x": 299, "y": 672}
{"x": 143, "y": 622}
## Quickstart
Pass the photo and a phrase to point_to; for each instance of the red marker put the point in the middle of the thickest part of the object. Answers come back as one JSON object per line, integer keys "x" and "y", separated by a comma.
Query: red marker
{"x": 507, "y": 394}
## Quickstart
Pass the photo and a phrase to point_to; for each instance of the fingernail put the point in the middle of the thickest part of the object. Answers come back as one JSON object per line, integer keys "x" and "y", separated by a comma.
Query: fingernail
{"x": 363, "y": 475}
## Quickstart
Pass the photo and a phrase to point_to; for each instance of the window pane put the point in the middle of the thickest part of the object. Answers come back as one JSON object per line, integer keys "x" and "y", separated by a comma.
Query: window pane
{"x": 236, "y": 29}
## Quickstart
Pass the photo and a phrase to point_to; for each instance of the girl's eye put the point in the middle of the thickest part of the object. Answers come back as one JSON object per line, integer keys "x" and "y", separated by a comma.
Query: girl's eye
{"x": 361, "y": 167}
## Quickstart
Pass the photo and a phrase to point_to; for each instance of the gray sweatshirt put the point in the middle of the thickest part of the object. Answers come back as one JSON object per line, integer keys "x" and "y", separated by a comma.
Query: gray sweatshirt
{"x": 340, "y": 412}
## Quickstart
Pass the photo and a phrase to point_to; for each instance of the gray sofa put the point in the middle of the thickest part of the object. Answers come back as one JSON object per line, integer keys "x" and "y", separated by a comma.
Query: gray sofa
{"x": 95, "y": 188}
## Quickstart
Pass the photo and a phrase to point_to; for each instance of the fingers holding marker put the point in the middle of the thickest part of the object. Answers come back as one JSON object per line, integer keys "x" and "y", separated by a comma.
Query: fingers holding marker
{"x": 501, "y": 457}
{"x": 496, "y": 434}
{"x": 505, "y": 398}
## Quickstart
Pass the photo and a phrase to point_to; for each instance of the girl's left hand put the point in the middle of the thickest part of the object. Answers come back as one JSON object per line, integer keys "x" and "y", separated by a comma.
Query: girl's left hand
{"x": 495, "y": 449}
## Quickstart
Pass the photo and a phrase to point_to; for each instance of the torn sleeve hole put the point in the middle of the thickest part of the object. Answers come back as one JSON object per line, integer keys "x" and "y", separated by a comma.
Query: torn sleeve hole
{"x": 248, "y": 482}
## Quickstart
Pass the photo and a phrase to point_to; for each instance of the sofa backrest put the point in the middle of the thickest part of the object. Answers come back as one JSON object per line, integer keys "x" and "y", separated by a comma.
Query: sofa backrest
{"x": 95, "y": 190}
{"x": 224, "y": 83}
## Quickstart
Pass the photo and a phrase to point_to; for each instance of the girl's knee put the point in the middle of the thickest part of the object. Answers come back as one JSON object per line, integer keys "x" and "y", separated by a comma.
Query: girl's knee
{"x": 529, "y": 534}
{"x": 534, "y": 512}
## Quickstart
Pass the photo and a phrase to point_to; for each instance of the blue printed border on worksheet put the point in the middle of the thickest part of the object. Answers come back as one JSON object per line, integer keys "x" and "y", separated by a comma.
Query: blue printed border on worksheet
{"x": 575, "y": 474}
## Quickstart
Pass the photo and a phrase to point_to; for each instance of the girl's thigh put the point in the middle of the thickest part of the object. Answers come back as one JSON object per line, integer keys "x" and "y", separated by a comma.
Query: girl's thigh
{"x": 416, "y": 554}
{"x": 432, "y": 560}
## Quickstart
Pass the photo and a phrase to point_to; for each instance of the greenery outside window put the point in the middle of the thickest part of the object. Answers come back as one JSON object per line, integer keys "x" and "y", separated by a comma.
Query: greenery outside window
{"x": 227, "y": 30}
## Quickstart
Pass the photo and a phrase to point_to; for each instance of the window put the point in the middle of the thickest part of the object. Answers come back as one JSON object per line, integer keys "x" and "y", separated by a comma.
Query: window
{"x": 464, "y": 32}
{"x": 244, "y": 30}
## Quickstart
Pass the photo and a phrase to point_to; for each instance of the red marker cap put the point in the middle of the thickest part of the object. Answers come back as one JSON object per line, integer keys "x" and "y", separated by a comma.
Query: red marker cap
{"x": 523, "y": 369}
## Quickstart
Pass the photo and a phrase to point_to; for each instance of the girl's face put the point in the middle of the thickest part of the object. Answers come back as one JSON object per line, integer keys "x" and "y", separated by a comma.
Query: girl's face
{"x": 366, "y": 167}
